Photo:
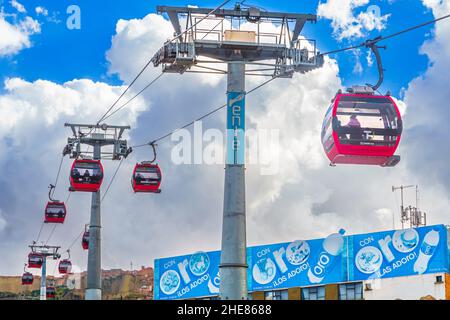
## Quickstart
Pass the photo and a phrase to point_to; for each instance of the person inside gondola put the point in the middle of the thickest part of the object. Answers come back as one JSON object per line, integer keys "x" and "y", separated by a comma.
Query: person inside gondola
{"x": 139, "y": 178}
{"x": 356, "y": 133}
{"x": 97, "y": 175}
{"x": 86, "y": 176}
{"x": 76, "y": 173}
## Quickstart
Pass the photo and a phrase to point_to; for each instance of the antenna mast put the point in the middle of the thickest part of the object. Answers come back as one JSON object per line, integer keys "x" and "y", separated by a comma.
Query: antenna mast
{"x": 412, "y": 214}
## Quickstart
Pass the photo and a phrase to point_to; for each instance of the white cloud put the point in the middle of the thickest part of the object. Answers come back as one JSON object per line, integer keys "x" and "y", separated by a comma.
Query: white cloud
{"x": 41, "y": 11}
{"x": 344, "y": 22}
{"x": 15, "y": 37}
{"x": 18, "y": 6}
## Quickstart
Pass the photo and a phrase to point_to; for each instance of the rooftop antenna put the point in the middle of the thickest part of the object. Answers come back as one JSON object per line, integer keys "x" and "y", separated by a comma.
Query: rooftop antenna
{"x": 271, "y": 54}
{"x": 412, "y": 214}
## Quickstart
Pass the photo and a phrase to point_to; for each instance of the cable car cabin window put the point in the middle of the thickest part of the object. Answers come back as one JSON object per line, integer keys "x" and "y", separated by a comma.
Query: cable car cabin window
{"x": 327, "y": 130}
{"x": 147, "y": 176}
{"x": 367, "y": 121}
{"x": 55, "y": 211}
{"x": 87, "y": 172}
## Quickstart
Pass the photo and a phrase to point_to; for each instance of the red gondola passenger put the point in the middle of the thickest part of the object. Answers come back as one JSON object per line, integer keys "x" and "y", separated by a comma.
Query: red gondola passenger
{"x": 55, "y": 212}
{"x": 146, "y": 178}
{"x": 362, "y": 128}
{"x": 35, "y": 260}
{"x": 86, "y": 175}
{"x": 27, "y": 278}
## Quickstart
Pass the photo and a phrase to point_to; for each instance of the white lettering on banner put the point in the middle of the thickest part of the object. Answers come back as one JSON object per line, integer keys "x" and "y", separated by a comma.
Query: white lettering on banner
{"x": 199, "y": 281}
{"x": 290, "y": 275}
{"x": 216, "y": 279}
{"x": 183, "y": 291}
{"x": 366, "y": 241}
{"x": 397, "y": 264}
{"x": 278, "y": 255}
{"x": 298, "y": 270}
{"x": 182, "y": 267}
{"x": 279, "y": 281}
{"x": 263, "y": 252}
{"x": 169, "y": 264}
{"x": 324, "y": 259}
{"x": 236, "y": 119}
{"x": 384, "y": 246}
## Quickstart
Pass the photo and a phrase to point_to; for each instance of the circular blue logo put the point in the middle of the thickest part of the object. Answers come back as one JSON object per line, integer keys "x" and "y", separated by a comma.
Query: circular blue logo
{"x": 199, "y": 263}
{"x": 297, "y": 252}
{"x": 170, "y": 282}
{"x": 369, "y": 259}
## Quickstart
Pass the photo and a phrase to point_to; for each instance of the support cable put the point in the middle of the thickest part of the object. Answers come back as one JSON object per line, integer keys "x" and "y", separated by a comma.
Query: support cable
{"x": 112, "y": 180}
{"x": 200, "y": 118}
{"x": 149, "y": 61}
{"x": 380, "y": 38}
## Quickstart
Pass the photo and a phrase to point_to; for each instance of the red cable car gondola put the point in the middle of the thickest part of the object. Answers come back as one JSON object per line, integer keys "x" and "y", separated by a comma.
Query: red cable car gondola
{"x": 27, "y": 279}
{"x": 55, "y": 212}
{"x": 147, "y": 175}
{"x": 65, "y": 266}
{"x": 86, "y": 175}
{"x": 362, "y": 128}
{"x": 35, "y": 260}
{"x": 50, "y": 292}
{"x": 85, "y": 239}
{"x": 146, "y": 178}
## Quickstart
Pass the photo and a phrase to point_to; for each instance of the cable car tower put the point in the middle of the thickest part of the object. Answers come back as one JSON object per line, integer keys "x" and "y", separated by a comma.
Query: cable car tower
{"x": 97, "y": 136}
{"x": 45, "y": 251}
{"x": 238, "y": 37}
{"x": 412, "y": 214}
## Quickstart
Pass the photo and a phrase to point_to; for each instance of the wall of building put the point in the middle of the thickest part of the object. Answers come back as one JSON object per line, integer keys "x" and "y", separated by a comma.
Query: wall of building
{"x": 407, "y": 288}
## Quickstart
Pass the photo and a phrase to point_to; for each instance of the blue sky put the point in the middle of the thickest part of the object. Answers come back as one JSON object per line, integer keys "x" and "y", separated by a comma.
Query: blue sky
{"x": 59, "y": 54}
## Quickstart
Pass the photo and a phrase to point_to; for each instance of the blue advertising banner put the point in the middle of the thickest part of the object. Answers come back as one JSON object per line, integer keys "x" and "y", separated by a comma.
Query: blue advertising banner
{"x": 183, "y": 277}
{"x": 337, "y": 258}
{"x": 399, "y": 253}
{"x": 298, "y": 263}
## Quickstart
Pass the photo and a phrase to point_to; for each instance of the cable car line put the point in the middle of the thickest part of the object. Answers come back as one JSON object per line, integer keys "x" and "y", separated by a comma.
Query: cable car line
{"x": 200, "y": 118}
{"x": 75, "y": 240}
{"x": 150, "y": 61}
{"x": 40, "y": 230}
{"x": 57, "y": 175}
{"x": 135, "y": 96}
{"x": 381, "y": 38}
{"x": 112, "y": 180}
{"x": 51, "y": 233}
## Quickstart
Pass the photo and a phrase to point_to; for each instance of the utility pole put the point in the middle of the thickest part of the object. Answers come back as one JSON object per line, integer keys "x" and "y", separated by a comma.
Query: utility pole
{"x": 97, "y": 136}
{"x": 45, "y": 251}
{"x": 277, "y": 54}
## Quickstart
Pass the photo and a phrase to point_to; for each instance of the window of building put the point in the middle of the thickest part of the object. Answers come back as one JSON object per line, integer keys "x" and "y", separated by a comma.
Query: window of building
{"x": 276, "y": 295}
{"x": 439, "y": 279}
{"x": 313, "y": 293}
{"x": 351, "y": 291}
